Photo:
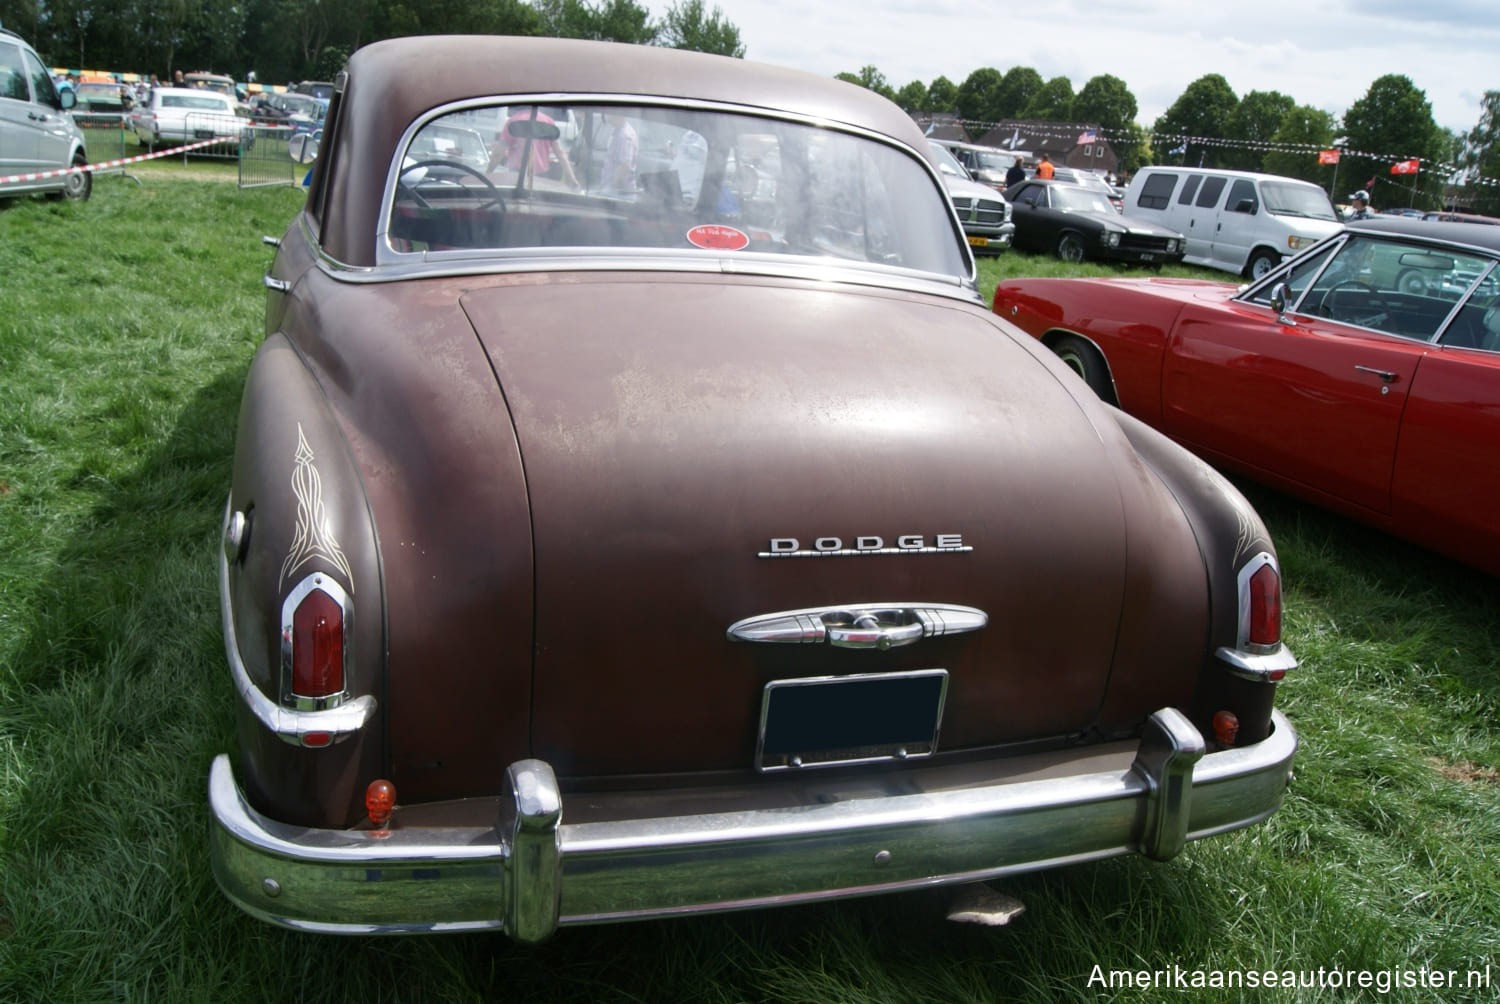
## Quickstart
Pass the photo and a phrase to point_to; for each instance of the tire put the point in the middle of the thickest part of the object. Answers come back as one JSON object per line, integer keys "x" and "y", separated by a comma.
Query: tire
{"x": 1083, "y": 358}
{"x": 1411, "y": 280}
{"x": 1260, "y": 264}
{"x": 1070, "y": 247}
{"x": 76, "y": 187}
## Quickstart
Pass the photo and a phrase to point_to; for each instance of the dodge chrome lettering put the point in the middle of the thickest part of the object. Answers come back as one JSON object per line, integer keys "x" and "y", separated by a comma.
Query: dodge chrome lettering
{"x": 835, "y": 547}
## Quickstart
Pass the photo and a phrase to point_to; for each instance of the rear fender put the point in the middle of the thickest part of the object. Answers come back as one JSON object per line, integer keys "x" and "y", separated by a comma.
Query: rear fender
{"x": 1231, "y": 537}
{"x": 303, "y": 519}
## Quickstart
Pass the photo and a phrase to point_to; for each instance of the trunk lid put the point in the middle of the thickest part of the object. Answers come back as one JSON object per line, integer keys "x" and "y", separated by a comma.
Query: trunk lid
{"x": 672, "y": 429}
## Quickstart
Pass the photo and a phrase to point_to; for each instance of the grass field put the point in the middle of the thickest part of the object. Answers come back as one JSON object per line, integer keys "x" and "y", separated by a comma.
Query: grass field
{"x": 128, "y": 324}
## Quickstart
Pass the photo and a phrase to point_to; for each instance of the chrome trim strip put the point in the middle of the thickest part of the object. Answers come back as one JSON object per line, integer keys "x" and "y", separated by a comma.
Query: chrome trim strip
{"x": 771, "y": 266}
{"x": 355, "y": 882}
{"x": 291, "y": 726}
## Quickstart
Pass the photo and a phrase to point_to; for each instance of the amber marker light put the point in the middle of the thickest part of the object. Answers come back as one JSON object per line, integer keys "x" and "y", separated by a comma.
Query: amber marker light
{"x": 380, "y": 799}
{"x": 1226, "y": 727}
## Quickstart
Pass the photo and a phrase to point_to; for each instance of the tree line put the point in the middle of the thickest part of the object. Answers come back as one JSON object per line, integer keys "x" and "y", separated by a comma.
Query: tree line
{"x": 290, "y": 40}
{"x": 1209, "y": 125}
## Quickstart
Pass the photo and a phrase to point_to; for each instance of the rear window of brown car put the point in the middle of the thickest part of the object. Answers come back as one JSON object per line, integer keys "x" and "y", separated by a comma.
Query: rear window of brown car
{"x": 519, "y": 177}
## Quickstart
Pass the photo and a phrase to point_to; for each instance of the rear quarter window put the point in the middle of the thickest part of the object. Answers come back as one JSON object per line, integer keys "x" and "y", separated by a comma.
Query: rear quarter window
{"x": 12, "y": 74}
{"x": 1156, "y": 192}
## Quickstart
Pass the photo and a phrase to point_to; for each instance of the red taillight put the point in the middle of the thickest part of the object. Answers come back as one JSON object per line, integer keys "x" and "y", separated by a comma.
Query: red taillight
{"x": 1265, "y": 607}
{"x": 317, "y": 646}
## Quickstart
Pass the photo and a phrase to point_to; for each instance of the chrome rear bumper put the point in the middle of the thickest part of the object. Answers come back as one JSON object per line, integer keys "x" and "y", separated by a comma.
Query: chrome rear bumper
{"x": 531, "y": 872}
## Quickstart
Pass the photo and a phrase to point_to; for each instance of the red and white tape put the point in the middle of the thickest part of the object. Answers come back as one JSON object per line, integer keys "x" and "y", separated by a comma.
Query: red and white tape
{"x": 105, "y": 165}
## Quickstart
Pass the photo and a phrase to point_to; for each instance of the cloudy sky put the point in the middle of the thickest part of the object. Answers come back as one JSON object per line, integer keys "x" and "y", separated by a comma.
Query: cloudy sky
{"x": 1324, "y": 53}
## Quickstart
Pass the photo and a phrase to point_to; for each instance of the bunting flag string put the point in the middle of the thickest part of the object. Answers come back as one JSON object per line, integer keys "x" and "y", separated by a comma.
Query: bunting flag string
{"x": 1175, "y": 142}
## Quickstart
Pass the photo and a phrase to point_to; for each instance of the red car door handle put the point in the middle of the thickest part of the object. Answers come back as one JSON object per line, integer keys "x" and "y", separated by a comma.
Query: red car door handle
{"x": 1385, "y": 375}
{"x": 861, "y": 625}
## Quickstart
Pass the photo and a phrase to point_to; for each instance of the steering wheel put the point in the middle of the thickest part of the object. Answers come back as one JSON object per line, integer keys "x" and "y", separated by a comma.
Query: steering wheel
{"x": 498, "y": 200}
{"x": 1326, "y": 304}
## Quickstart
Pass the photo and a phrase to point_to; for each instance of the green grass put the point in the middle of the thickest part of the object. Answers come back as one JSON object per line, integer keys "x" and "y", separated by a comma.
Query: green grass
{"x": 128, "y": 325}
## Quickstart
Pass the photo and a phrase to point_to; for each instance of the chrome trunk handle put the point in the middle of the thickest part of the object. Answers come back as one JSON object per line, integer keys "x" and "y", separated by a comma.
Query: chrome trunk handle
{"x": 879, "y": 626}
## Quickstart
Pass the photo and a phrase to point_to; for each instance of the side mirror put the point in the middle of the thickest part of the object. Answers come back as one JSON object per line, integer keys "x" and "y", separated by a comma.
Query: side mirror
{"x": 66, "y": 96}
{"x": 1245, "y": 206}
{"x": 303, "y": 148}
{"x": 1279, "y": 298}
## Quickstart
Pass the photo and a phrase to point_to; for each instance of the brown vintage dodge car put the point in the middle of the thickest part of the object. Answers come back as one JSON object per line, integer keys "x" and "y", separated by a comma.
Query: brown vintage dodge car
{"x": 650, "y": 518}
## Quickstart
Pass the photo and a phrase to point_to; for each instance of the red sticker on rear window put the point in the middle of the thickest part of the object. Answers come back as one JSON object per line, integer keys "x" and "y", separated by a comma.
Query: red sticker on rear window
{"x": 713, "y": 237}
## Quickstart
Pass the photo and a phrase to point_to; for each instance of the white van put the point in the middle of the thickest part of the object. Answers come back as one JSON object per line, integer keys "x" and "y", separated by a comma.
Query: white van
{"x": 1238, "y": 221}
{"x": 37, "y": 133}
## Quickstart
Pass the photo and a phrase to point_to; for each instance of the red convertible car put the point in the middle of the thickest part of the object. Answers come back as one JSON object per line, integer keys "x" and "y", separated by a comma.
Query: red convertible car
{"x": 651, "y": 518}
{"x": 1363, "y": 375}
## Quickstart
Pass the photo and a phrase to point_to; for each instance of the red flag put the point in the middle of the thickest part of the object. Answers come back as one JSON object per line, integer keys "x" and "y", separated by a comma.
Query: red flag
{"x": 1404, "y": 167}
{"x": 1328, "y": 156}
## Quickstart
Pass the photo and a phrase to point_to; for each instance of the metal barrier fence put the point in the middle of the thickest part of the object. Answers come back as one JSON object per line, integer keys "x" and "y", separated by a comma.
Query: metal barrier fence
{"x": 267, "y": 155}
{"x": 107, "y": 136}
{"x": 229, "y": 133}
{"x": 265, "y": 158}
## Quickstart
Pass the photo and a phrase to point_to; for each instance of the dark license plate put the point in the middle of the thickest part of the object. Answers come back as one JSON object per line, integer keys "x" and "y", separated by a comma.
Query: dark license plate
{"x": 827, "y": 720}
{"x": 1147, "y": 256}
{"x": 203, "y": 134}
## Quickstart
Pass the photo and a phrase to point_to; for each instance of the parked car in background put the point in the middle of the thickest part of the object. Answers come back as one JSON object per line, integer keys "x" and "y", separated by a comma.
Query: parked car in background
{"x": 1363, "y": 375}
{"x": 37, "y": 131}
{"x": 440, "y": 146}
{"x": 177, "y": 115}
{"x": 219, "y": 83}
{"x": 320, "y": 89}
{"x": 1448, "y": 216}
{"x": 1079, "y": 224}
{"x": 982, "y": 211}
{"x": 286, "y": 109}
{"x": 985, "y": 164}
{"x": 1237, "y": 221}
{"x": 594, "y": 555}
{"x": 1096, "y": 182}
{"x": 104, "y": 96}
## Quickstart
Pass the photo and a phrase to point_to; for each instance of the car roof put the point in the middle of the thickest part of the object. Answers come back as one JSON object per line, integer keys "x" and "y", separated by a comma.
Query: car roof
{"x": 1056, "y": 183}
{"x": 1218, "y": 172}
{"x": 188, "y": 90}
{"x": 1467, "y": 234}
{"x": 393, "y": 82}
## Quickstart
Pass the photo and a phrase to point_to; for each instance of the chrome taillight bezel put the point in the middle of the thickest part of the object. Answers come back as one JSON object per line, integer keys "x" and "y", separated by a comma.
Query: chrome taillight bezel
{"x": 326, "y": 584}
